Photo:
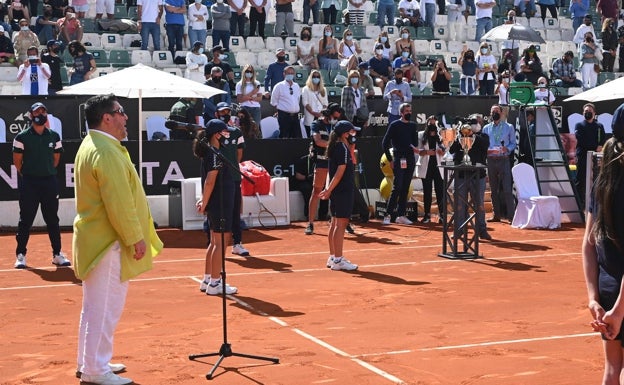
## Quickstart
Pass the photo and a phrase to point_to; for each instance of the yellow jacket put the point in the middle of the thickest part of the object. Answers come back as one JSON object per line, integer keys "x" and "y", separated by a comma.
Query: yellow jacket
{"x": 110, "y": 206}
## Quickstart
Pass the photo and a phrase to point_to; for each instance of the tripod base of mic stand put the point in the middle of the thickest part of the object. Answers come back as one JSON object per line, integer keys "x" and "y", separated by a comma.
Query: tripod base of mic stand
{"x": 226, "y": 351}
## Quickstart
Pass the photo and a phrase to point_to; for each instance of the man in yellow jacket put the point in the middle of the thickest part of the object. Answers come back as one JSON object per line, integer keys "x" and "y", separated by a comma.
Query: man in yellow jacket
{"x": 114, "y": 236}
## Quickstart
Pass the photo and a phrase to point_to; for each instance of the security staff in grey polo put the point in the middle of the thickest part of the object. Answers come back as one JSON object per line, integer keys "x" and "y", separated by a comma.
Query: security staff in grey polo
{"x": 36, "y": 154}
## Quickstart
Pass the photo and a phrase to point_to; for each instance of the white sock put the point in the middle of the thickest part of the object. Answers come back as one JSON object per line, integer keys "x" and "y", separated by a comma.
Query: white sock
{"x": 207, "y": 278}
{"x": 337, "y": 259}
{"x": 215, "y": 281}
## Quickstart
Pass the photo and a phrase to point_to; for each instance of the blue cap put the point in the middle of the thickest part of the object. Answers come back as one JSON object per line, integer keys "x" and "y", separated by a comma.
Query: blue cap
{"x": 617, "y": 124}
{"x": 223, "y": 106}
{"x": 344, "y": 126}
{"x": 52, "y": 42}
{"x": 215, "y": 125}
{"x": 38, "y": 105}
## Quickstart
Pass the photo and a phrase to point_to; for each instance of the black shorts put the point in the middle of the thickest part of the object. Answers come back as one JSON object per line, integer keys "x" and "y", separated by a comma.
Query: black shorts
{"x": 609, "y": 288}
{"x": 341, "y": 204}
{"x": 321, "y": 163}
{"x": 215, "y": 211}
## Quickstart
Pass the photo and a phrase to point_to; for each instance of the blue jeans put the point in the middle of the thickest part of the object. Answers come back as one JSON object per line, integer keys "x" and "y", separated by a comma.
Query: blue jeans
{"x": 531, "y": 9}
{"x": 470, "y": 6}
{"x": 175, "y": 34}
{"x": 223, "y": 36}
{"x": 197, "y": 35}
{"x": 476, "y": 189}
{"x": 484, "y": 24}
{"x": 430, "y": 15}
{"x": 385, "y": 11}
{"x": 306, "y": 11}
{"x": 576, "y": 22}
{"x": 237, "y": 20}
{"x": 148, "y": 29}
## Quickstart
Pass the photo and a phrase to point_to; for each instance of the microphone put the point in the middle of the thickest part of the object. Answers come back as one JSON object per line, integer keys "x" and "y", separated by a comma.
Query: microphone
{"x": 174, "y": 125}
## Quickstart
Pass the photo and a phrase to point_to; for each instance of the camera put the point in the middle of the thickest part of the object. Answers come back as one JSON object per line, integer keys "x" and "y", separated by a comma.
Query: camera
{"x": 32, "y": 61}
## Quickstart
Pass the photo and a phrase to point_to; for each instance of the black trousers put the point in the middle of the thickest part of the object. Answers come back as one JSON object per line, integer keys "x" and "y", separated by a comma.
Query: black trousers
{"x": 35, "y": 191}
{"x": 256, "y": 19}
{"x": 289, "y": 124}
{"x": 433, "y": 179}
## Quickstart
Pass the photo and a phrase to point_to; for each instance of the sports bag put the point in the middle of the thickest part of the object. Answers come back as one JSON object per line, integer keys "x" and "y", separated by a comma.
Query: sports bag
{"x": 259, "y": 175}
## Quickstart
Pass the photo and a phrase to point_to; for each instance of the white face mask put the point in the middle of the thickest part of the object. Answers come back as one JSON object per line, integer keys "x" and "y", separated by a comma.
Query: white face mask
{"x": 404, "y": 35}
{"x": 383, "y": 39}
{"x": 219, "y": 1}
{"x": 25, "y": 28}
{"x": 333, "y": 121}
{"x": 484, "y": 51}
{"x": 32, "y": 58}
{"x": 222, "y": 57}
{"x": 328, "y": 33}
{"x": 379, "y": 51}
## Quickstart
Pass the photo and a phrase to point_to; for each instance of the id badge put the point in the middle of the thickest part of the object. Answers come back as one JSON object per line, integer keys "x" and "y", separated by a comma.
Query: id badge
{"x": 403, "y": 163}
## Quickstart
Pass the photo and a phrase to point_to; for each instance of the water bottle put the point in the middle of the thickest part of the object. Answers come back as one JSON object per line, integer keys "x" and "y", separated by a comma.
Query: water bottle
{"x": 249, "y": 221}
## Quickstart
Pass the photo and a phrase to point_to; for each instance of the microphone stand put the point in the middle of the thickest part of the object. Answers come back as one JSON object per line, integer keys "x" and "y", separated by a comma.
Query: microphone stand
{"x": 226, "y": 348}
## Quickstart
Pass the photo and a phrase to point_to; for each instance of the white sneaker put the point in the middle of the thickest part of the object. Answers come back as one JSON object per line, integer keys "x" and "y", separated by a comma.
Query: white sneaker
{"x": 343, "y": 264}
{"x": 330, "y": 261}
{"x": 202, "y": 286}
{"x": 403, "y": 221}
{"x": 20, "y": 261}
{"x": 60, "y": 260}
{"x": 387, "y": 220}
{"x": 109, "y": 378}
{"x": 217, "y": 290}
{"x": 238, "y": 249}
{"x": 115, "y": 368}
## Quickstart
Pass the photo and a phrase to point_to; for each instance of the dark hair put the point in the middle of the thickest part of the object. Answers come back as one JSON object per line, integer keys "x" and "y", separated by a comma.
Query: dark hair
{"x": 200, "y": 144}
{"x": 75, "y": 47}
{"x": 96, "y": 107}
{"x": 248, "y": 126}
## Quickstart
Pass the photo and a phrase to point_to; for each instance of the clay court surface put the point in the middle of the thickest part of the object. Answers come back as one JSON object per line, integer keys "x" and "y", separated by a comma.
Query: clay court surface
{"x": 516, "y": 316}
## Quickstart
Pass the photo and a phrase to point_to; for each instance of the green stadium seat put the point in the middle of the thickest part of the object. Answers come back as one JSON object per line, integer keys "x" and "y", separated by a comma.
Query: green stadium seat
{"x": 119, "y": 58}
{"x": 100, "y": 57}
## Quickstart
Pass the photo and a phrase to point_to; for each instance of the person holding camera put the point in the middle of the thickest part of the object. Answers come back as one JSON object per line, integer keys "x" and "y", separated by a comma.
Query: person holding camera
{"x": 33, "y": 74}
{"x": 397, "y": 92}
{"x": 441, "y": 78}
{"x": 69, "y": 27}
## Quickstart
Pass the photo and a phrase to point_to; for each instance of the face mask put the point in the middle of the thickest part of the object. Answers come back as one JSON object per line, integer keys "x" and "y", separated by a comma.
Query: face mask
{"x": 281, "y": 59}
{"x": 200, "y": 50}
{"x": 305, "y": 36}
{"x": 366, "y": 72}
{"x": 405, "y": 35}
{"x": 588, "y": 115}
{"x": 333, "y": 121}
{"x": 431, "y": 127}
{"x": 226, "y": 119}
{"x": 328, "y": 33}
{"x": 349, "y": 37}
{"x": 588, "y": 23}
{"x": 216, "y": 79}
{"x": 398, "y": 79}
{"x": 197, "y": 1}
{"x": 355, "y": 81}
{"x": 379, "y": 51}
{"x": 25, "y": 28}
{"x": 407, "y": 116}
{"x": 541, "y": 85}
{"x": 40, "y": 120}
{"x": 405, "y": 54}
{"x": 484, "y": 51}
{"x": 316, "y": 80}
{"x": 248, "y": 75}
{"x": 32, "y": 58}
{"x": 56, "y": 50}
{"x": 495, "y": 116}
{"x": 289, "y": 77}
{"x": 219, "y": 1}
{"x": 222, "y": 57}
{"x": 384, "y": 39}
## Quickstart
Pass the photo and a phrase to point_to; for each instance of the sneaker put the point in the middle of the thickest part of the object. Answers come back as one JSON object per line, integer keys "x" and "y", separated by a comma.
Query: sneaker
{"x": 202, "y": 286}
{"x": 350, "y": 229}
{"x": 238, "y": 249}
{"x": 20, "y": 261}
{"x": 330, "y": 261}
{"x": 387, "y": 220}
{"x": 115, "y": 368}
{"x": 60, "y": 260}
{"x": 309, "y": 229}
{"x": 426, "y": 219}
{"x": 218, "y": 289}
{"x": 343, "y": 264}
{"x": 485, "y": 235}
{"x": 109, "y": 378}
{"x": 402, "y": 220}
{"x": 494, "y": 219}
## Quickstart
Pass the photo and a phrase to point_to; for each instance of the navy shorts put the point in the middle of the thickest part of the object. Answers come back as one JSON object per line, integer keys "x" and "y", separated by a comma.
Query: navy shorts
{"x": 341, "y": 204}
{"x": 215, "y": 211}
{"x": 321, "y": 163}
{"x": 609, "y": 288}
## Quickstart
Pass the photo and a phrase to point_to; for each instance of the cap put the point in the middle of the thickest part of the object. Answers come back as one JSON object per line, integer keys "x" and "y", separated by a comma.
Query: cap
{"x": 52, "y": 42}
{"x": 588, "y": 16}
{"x": 217, "y": 48}
{"x": 569, "y": 53}
{"x": 379, "y": 46}
{"x": 223, "y": 106}
{"x": 279, "y": 50}
{"x": 215, "y": 125}
{"x": 363, "y": 65}
{"x": 38, "y": 105}
{"x": 198, "y": 44}
{"x": 345, "y": 126}
{"x": 333, "y": 107}
{"x": 617, "y": 124}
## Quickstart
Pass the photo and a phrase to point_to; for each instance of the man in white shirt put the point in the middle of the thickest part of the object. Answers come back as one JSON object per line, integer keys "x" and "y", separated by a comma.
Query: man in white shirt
{"x": 587, "y": 26}
{"x": 34, "y": 74}
{"x": 542, "y": 93}
{"x": 484, "y": 17}
{"x": 285, "y": 97}
{"x": 407, "y": 12}
{"x": 149, "y": 14}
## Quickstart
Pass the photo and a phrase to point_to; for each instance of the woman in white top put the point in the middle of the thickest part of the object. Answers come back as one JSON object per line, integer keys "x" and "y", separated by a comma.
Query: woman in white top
{"x": 387, "y": 47}
{"x": 248, "y": 93}
{"x": 313, "y": 98}
{"x": 348, "y": 51}
{"x": 195, "y": 63}
{"x": 305, "y": 50}
{"x": 486, "y": 70}
{"x": 197, "y": 16}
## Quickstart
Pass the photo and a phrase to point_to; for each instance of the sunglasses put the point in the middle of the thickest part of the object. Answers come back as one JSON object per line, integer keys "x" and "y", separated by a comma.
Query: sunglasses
{"x": 316, "y": 77}
{"x": 248, "y": 72}
{"x": 119, "y": 111}
{"x": 291, "y": 90}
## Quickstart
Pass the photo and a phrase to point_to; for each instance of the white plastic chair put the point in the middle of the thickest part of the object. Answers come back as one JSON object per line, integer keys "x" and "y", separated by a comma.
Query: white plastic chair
{"x": 268, "y": 126}
{"x": 533, "y": 210}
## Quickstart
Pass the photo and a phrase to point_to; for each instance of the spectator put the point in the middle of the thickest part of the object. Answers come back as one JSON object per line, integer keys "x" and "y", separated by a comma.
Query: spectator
{"x": 455, "y": 19}
{"x": 578, "y": 9}
{"x": 502, "y": 144}
{"x": 430, "y": 151}
{"x": 589, "y": 63}
{"x": 330, "y": 11}
{"x": 620, "y": 33}
{"x": 54, "y": 61}
{"x": 248, "y": 93}
{"x": 7, "y": 53}
{"x": 486, "y": 70}
{"x": 23, "y": 40}
{"x": 526, "y": 8}
{"x": 306, "y": 55}
{"x": 543, "y": 93}
{"x": 508, "y": 63}
{"x": 385, "y": 43}
{"x": 311, "y": 6}
{"x": 366, "y": 82}
{"x": 313, "y": 99}
{"x": 551, "y": 5}
{"x": 196, "y": 60}
{"x": 468, "y": 84}
{"x": 328, "y": 50}
{"x": 218, "y": 58}
{"x": 257, "y": 16}
{"x": 385, "y": 10}
{"x": 484, "y": 17}
{"x": 216, "y": 80}
{"x": 302, "y": 181}
{"x": 104, "y": 6}
{"x": 609, "y": 44}
{"x": 411, "y": 69}
{"x": 81, "y": 7}
{"x": 197, "y": 16}
{"x": 33, "y": 74}
{"x": 512, "y": 46}
{"x": 221, "y": 15}
{"x": 174, "y": 24}
{"x": 183, "y": 111}
{"x": 275, "y": 72}
{"x": 36, "y": 155}
{"x": 353, "y": 101}
{"x": 84, "y": 64}
{"x": 531, "y": 65}
{"x": 590, "y": 136}
{"x": 403, "y": 42}
{"x": 564, "y": 73}
{"x": 248, "y": 125}
{"x": 409, "y": 15}
{"x": 284, "y": 18}
{"x": 502, "y": 90}
{"x": 441, "y": 78}
{"x": 380, "y": 68}
{"x": 69, "y": 27}
{"x": 348, "y": 51}
{"x": 428, "y": 13}
{"x": 17, "y": 13}
{"x": 238, "y": 18}
{"x": 579, "y": 35}
{"x": 285, "y": 97}
{"x": 45, "y": 27}
{"x": 356, "y": 12}
{"x": 608, "y": 9}
{"x": 396, "y": 93}
{"x": 149, "y": 13}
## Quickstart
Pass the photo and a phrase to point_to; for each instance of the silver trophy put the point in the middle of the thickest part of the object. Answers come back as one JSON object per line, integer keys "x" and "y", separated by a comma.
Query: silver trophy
{"x": 447, "y": 137}
{"x": 466, "y": 141}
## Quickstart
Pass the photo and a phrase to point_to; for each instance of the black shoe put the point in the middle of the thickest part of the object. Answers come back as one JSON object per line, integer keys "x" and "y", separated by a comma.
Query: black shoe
{"x": 350, "y": 229}
{"x": 485, "y": 235}
{"x": 494, "y": 219}
{"x": 426, "y": 219}
{"x": 310, "y": 229}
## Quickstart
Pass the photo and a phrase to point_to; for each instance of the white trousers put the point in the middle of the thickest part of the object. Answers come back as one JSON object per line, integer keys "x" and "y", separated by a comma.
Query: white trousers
{"x": 589, "y": 76}
{"x": 103, "y": 300}
{"x": 456, "y": 30}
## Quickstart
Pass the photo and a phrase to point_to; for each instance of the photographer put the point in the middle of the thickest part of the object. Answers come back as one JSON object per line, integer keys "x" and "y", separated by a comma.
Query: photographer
{"x": 183, "y": 111}
{"x": 34, "y": 74}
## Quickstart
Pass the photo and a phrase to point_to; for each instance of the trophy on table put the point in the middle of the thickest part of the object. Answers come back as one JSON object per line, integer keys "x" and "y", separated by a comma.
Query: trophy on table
{"x": 466, "y": 140}
{"x": 447, "y": 136}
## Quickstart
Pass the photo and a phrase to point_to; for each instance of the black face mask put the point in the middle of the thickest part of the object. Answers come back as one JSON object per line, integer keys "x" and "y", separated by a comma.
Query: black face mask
{"x": 588, "y": 115}
{"x": 216, "y": 79}
{"x": 40, "y": 120}
{"x": 495, "y": 116}
{"x": 281, "y": 59}
{"x": 225, "y": 118}
{"x": 407, "y": 117}
{"x": 469, "y": 57}
{"x": 56, "y": 50}
{"x": 398, "y": 79}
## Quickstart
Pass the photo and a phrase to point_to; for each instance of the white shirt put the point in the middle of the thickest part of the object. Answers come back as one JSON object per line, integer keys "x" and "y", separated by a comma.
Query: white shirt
{"x": 482, "y": 60}
{"x": 236, "y": 4}
{"x": 544, "y": 95}
{"x": 283, "y": 100}
{"x": 408, "y": 6}
{"x": 149, "y": 10}
{"x": 316, "y": 102}
{"x": 193, "y": 12}
{"x": 249, "y": 87}
{"x": 195, "y": 64}
{"x": 483, "y": 12}
{"x": 43, "y": 75}
{"x": 579, "y": 36}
